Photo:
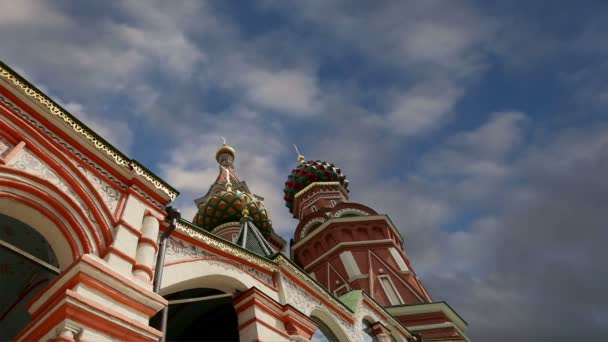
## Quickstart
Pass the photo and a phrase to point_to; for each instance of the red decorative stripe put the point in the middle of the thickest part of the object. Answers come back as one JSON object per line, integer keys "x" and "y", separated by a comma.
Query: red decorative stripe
{"x": 148, "y": 270}
{"x": 147, "y": 240}
{"x": 84, "y": 242}
{"x": 130, "y": 228}
{"x": 61, "y": 170}
{"x": 256, "y": 320}
{"x": 121, "y": 254}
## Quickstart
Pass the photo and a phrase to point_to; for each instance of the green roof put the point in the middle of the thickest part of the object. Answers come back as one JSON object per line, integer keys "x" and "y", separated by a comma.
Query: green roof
{"x": 351, "y": 299}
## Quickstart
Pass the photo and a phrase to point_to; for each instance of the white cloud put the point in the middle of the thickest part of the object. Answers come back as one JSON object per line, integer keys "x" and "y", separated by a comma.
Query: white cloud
{"x": 293, "y": 92}
{"x": 422, "y": 108}
{"x": 116, "y": 132}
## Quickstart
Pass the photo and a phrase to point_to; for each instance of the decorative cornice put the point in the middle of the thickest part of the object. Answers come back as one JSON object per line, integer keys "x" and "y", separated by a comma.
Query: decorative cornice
{"x": 288, "y": 264}
{"x": 225, "y": 246}
{"x": 85, "y": 132}
{"x": 311, "y": 185}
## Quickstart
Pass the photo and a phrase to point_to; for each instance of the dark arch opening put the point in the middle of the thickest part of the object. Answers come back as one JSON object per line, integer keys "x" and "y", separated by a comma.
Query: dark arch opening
{"x": 200, "y": 314}
{"x": 323, "y": 332}
{"x": 27, "y": 265}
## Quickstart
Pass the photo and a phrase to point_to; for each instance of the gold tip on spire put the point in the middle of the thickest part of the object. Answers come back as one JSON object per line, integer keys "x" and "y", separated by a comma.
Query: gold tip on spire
{"x": 301, "y": 158}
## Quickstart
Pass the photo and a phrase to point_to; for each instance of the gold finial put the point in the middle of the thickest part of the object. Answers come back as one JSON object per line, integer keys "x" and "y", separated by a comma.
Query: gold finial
{"x": 245, "y": 212}
{"x": 301, "y": 158}
{"x": 228, "y": 182}
{"x": 224, "y": 149}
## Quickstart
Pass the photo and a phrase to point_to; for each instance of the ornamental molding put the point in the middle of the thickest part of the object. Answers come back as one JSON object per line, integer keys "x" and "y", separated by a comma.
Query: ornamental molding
{"x": 69, "y": 147}
{"x": 180, "y": 250}
{"x": 345, "y": 211}
{"x": 288, "y": 266}
{"x": 86, "y": 133}
{"x": 26, "y": 161}
{"x": 307, "y": 304}
{"x": 311, "y": 185}
{"x": 309, "y": 224}
{"x": 227, "y": 247}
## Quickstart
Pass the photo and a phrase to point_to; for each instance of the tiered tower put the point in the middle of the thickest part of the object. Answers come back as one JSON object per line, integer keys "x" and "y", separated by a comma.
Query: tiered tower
{"x": 231, "y": 211}
{"x": 349, "y": 246}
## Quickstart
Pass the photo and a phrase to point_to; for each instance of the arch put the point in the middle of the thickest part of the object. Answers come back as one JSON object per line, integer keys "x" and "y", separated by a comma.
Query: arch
{"x": 76, "y": 179}
{"x": 30, "y": 266}
{"x": 367, "y": 331}
{"x": 48, "y": 200}
{"x": 330, "y": 322}
{"x": 346, "y": 212}
{"x": 311, "y": 225}
{"x": 208, "y": 273}
{"x": 44, "y": 222}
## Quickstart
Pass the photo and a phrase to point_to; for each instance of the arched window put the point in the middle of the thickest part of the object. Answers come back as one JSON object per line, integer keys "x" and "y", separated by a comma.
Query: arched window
{"x": 27, "y": 265}
{"x": 368, "y": 331}
{"x": 323, "y": 333}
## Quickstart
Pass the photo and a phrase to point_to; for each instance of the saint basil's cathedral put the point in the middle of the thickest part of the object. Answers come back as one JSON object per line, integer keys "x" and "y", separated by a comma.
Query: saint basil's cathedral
{"x": 91, "y": 249}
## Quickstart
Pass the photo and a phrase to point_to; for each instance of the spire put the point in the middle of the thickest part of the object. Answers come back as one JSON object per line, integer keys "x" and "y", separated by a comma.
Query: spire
{"x": 250, "y": 237}
{"x": 225, "y": 155}
{"x": 301, "y": 158}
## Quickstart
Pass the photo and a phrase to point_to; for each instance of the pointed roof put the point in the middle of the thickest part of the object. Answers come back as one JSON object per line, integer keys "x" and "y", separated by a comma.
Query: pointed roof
{"x": 251, "y": 239}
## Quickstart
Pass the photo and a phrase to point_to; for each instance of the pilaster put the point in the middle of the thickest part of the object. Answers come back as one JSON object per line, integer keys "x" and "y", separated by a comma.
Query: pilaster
{"x": 263, "y": 319}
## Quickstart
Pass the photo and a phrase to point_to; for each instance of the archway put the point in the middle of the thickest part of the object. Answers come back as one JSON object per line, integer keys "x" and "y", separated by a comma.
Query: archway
{"x": 328, "y": 329}
{"x": 28, "y": 264}
{"x": 200, "y": 295}
{"x": 201, "y": 314}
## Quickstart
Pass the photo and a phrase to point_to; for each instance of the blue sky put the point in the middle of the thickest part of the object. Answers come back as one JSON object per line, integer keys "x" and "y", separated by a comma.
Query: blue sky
{"x": 481, "y": 129}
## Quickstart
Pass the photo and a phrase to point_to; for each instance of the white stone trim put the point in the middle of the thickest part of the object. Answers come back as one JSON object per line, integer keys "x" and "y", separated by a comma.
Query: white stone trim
{"x": 350, "y": 264}
{"x": 399, "y": 259}
{"x": 357, "y": 212}
{"x": 309, "y": 224}
{"x": 393, "y": 288}
{"x": 342, "y": 244}
{"x": 428, "y": 308}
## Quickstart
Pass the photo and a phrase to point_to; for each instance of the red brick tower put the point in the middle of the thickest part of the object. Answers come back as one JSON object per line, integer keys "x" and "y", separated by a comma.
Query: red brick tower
{"x": 349, "y": 246}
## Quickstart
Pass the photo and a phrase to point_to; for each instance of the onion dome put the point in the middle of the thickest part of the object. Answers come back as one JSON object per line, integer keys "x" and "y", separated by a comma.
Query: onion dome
{"x": 228, "y": 206}
{"x": 308, "y": 172}
{"x": 223, "y": 205}
{"x": 224, "y": 149}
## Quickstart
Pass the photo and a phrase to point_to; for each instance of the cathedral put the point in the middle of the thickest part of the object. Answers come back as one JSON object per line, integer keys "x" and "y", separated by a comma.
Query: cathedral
{"x": 92, "y": 250}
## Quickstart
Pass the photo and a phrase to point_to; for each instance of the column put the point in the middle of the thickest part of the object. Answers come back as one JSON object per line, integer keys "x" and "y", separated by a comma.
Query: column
{"x": 146, "y": 249}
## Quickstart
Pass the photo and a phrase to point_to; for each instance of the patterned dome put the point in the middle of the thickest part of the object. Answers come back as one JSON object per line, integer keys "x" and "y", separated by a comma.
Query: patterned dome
{"x": 307, "y": 173}
{"x": 227, "y": 206}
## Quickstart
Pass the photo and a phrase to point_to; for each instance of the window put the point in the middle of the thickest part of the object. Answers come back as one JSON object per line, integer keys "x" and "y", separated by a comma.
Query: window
{"x": 368, "y": 331}
{"x": 313, "y": 208}
{"x": 333, "y": 203}
{"x": 389, "y": 289}
{"x": 323, "y": 333}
